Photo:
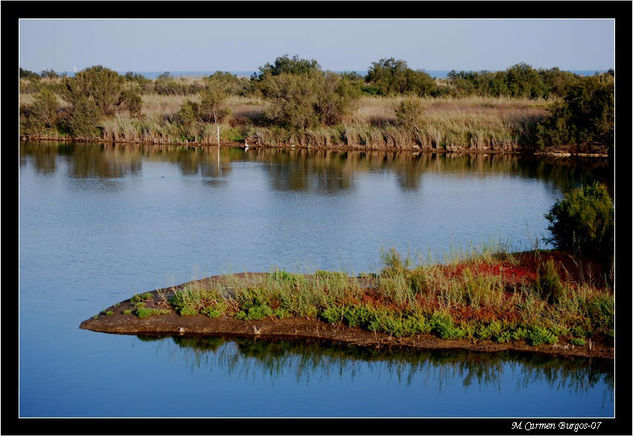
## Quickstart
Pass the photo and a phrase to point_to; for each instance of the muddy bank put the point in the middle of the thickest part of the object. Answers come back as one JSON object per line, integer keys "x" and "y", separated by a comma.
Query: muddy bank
{"x": 114, "y": 319}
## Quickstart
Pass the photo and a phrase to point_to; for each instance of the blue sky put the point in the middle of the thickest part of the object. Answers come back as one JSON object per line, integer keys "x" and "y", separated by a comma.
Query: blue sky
{"x": 232, "y": 45}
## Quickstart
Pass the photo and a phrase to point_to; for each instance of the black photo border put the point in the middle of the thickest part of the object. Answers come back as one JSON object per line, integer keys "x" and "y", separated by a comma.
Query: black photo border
{"x": 13, "y": 11}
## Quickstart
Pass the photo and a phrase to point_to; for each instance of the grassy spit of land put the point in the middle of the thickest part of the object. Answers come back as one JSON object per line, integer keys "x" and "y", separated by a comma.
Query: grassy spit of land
{"x": 545, "y": 301}
{"x": 294, "y": 103}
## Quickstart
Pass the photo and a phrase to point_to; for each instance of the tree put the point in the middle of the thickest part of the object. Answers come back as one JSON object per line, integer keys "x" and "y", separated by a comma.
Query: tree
{"x": 582, "y": 222}
{"x": 45, "y": 107}
{"x": 287, "y": 65}
{"x": 308, "y": 101}
{"x": 84, "y": 118}
{"x": 212, "y": 104}
{"x": 393, "y": 76}
{"x": 130, "y": 100}
{"x": 230, "y": 83}
{"x": 584, "y": 115}
{"x": 102, "y": 85}
{"x": 524, "y": 81}
{"x": 29, "y": 75}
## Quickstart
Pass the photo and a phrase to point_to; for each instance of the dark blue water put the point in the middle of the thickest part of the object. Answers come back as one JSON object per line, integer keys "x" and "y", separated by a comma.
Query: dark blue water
{"x": 100, "y": 223}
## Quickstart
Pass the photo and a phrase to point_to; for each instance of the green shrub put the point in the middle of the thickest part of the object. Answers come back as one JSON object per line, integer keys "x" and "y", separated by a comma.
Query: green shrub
{"x": 212, "y": 102}
{"x": 548, "y": 284}
{"x": 259, "y": 311}
{"x": 131, "y": 101}
{"x": 281, "y": 313}
{"x": 137, "y": 298}
{"x": 187, "y": 311}
{"x": 359, "y": 316}
{"x": 442, "y": 324}
{"x": 215, "y": 310}
{"x": 541, "y": 335}
{"x": 330, "y": 275}
{"x": 45, "y": 108}
{"x": 586, "y": 114}
{"x": 127, "y": 312}
{"x": 84, "y": 119}
{"x": 600, "y": 310}
{"x": 521, "y": 333}
{"x": 579, "y": 332}
{"x": 392, "y": 261}
{"x": 333, "y": 314}
{"x": 577, "y": 341}
{"x": 287, "y": 65}
{"x": 100, "y": 85}
{"x": 191, "y": 300}
{"x": 582, "y": 222}
{"x": 256, "y": 312}
{"x": 307, "y": 101}
{"x": 109, "y": 313}
{"x": 391, "y": 76}
{"x": 490, "y": 331}
{"x": 410, "y": 112}
{"x": 504, "y": 336}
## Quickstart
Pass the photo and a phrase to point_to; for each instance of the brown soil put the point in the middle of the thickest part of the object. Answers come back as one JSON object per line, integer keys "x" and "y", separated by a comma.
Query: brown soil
{"x": 301, "y": 328}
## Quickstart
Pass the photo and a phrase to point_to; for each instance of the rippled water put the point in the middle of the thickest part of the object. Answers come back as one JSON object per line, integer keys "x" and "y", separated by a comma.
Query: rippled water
{"x": 98, "y": 223}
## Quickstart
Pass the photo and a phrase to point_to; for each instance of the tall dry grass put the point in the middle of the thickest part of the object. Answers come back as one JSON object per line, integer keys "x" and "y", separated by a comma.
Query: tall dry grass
{"x": 451, "y": 124}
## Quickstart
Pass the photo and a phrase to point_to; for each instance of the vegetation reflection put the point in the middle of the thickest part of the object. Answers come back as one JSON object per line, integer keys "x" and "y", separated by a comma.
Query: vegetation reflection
{"x": 310, "y": 358}
{"x": 316, "y": 171}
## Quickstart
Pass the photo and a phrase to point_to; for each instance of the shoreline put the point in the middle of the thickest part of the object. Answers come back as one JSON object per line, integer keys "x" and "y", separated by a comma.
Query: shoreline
{"x": 113, "y": 320}
{"x": 237, "y": 144}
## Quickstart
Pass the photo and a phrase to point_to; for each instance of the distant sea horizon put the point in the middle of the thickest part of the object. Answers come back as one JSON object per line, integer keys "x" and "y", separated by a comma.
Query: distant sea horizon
{"x": 438, "y": 74}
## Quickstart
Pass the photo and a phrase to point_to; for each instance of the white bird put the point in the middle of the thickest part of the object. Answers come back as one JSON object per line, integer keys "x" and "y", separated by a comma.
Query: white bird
{"x": 246, "y": 144}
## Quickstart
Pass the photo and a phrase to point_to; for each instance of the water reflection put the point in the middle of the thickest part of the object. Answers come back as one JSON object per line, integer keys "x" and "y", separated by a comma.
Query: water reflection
{"x": 304, "y": 360}
{"x": 314, "y": 171}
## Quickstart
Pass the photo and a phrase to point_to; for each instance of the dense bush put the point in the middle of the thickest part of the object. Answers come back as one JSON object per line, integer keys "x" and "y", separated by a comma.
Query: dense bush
{"x": 165, "y": 84}
{"x": 548, "y": 284}
{"x": 229, "y": 83}
{"x": 585, "y": 115}
{"x": 28, "y": 75}
{"x": 84, "y": 119}
{"x": 287, "y": 65}
{"x": 582, "y": 222}
{"x": 391, "y": 76}
{"x": 131, "y": 101}
{"x": 409, "y": 113}
{"x": 139, "y": 82}
{"x": 520, "y": 80}
{"x": 212, "y": 101}
{"x": 51, "y": 74}
{"x": 308, "y": 101}
{"x": 99, "y": 84}
{"x": 44, "y": 108}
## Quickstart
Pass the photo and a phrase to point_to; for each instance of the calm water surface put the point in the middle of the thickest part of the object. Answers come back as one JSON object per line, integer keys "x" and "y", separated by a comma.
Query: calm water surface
{"x": 98, "y": 223}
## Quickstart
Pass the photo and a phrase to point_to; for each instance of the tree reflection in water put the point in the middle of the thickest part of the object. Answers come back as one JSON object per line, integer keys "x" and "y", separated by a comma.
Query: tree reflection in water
{"x": 315, "y": 171}
{"x": 306, "y": 359}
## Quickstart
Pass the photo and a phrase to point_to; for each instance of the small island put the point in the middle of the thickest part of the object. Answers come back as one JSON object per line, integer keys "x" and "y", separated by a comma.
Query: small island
{"x": 490, "y": 299}
{"x": 538, "y": 301}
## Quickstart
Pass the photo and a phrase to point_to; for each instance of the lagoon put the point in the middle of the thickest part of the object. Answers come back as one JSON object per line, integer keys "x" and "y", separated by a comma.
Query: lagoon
{"x": 101, "y": 222}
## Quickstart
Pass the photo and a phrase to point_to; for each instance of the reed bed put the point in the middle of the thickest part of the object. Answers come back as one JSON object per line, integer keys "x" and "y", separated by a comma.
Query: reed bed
{"x": 447, "y": 124}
